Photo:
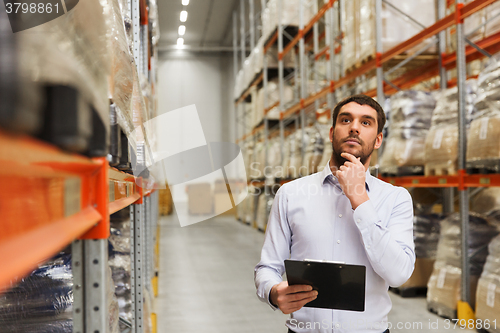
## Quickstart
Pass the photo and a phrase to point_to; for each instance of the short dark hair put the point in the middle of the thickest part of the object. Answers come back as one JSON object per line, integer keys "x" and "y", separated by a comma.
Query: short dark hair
{"x": 362, "y": 100}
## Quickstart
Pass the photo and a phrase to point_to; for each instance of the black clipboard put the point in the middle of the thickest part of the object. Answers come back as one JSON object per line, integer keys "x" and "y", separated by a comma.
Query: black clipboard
{"x": 339, "y": 286}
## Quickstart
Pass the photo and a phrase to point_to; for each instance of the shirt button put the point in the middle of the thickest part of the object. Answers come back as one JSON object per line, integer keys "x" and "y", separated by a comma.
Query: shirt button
{"x": 340, "y": 215}
{"x": 368, "y": 247}
{"x": 338, "y": 242}
{"x": 358, "y": 220}
{"x": 337, "y": 325}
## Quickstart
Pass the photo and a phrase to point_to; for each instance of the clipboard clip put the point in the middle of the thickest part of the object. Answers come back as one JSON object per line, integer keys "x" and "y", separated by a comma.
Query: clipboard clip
{"x": 326, "y": 261}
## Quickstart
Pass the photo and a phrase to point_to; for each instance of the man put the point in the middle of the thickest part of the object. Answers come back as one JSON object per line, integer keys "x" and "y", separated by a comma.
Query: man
{"x": 340, "y": 214}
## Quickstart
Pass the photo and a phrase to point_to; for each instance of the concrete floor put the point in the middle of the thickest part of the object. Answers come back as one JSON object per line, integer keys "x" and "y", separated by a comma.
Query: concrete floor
{"x": 206, "y": 283}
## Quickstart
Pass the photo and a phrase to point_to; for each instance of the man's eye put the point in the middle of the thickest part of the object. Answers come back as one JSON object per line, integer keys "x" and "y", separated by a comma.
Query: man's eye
{"x": 345, "y": 120}
{"x": 366, "y": 123}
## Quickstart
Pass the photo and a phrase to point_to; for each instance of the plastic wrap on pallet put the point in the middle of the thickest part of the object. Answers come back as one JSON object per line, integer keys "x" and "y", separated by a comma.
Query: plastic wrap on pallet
{"x": 296, "y": 146}
{"x": 120, "y": 262}
{"x": 444, "y": 283}
{"x": 289, "y": 15}
{"x": 273, "y": 168}
{"x": 426, "y": 229}
{"x": 441, "y": 145}
{"x": 488, "y": 288}
{"x": 285, "y": 163}
{"x": 484, "y": 136}
{"x": 43, "y": 300}
{"x": 273, "y": 96}
{"x": 263, "y": 208}
{"x": 313, "y": 151}
{"x": 324, "y": 129}
{"x": 411, "y": 113}
{"x": 122, "y": 67}
{"x": 257, "y": 167}
{"x": 154, "y": 21}
{"x": 71, "y": 50}
{"x": 253, "y": 194}
{"x": 350, "y": 47}
{"x": 248, "y": 158}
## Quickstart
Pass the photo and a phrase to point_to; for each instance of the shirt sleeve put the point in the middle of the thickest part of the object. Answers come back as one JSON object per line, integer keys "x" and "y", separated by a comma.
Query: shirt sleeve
{"x": 390, "y": 249}
{"x": 269, "y": 271}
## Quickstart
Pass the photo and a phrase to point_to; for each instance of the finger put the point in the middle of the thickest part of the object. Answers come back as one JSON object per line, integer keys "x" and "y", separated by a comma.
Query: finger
{"x": 343, "y": 168}
{"x": 302, "y": 296}
{"x": 349, "y": 164}
{"x": 350, "y": 157}
{"x": 298, "y": 288}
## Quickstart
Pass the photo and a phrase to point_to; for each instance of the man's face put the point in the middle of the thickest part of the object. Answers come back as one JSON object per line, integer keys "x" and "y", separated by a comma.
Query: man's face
{"x": 355, "y": 132}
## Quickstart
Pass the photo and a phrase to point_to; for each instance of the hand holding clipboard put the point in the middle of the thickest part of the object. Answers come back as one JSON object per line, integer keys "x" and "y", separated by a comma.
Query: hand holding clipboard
{"x": 339, "y": 286}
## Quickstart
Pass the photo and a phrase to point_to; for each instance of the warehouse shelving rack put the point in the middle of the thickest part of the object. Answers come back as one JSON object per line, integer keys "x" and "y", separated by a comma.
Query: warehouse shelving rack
{"x": 52, "y": 198}
{"x": 338, "y": 80}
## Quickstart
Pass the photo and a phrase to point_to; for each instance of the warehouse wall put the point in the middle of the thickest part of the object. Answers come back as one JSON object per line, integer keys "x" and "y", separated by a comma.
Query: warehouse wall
{"x": 205, "y": 80}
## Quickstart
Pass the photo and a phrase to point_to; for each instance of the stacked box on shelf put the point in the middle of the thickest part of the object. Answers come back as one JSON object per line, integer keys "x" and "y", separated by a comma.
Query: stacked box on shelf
{"x": 273, "y": 96}
{"x": 359, "y": 20}
{"x": 483, "y": 146}
{"x": 409, "y": 123}
{"x": 444, "y": 284}
{"x": 441, "y": 144}
{"x": 165, "y": 203}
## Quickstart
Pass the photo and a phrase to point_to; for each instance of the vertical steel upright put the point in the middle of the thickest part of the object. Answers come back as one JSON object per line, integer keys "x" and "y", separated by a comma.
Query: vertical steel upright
{"x": 264, "y": 87}
{"x": 447, "y": 191}
{"x": 252, "y": 24}
{"x": 328, "y": 41}
{"x": 331, "y": 57}
{"x": 341, "y": 6}
{"x": 316, "y": 50}
{"x": 280, "y": 75}
{"x": 136, "y": 30}
{"x": 243, "y": 56}
{"x": 462, "y": 144}
{"x": 379, "y": 50}
{"x": 137, "y": 267}
{"x": 235, "y": 69}
{"x": 303, "y": 79}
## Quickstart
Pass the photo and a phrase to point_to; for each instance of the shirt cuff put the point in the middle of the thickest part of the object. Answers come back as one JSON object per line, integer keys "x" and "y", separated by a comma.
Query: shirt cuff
{"x": 268, "y": 293}
{"x": 365, "y": 216}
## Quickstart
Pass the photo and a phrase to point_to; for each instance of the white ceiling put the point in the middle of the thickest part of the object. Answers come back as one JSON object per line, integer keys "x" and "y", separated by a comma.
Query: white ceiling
{"x": 209, "y": 22}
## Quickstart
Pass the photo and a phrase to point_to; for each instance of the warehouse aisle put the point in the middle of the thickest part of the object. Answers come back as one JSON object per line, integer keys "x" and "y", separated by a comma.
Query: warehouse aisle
{"x": 206, "y": 284}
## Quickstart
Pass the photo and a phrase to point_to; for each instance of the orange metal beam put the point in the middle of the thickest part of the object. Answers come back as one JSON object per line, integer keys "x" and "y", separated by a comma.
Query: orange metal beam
{"x": 271, "y": 42}
{"x": 21, "y": 254}
{"x": 423, "y": 181}
{"x": 272, "y": 106}
{"x": 123, "y": 202}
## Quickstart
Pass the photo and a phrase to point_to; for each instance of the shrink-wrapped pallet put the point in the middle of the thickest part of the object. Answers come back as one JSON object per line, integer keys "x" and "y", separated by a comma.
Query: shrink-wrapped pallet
{"x": 488, "y": 289}
{"x": 296, "y": 145}
{"x": 253, "y": 195}
{"x": 484, "y": 135}
{"x": 42, "y": 302}
{"x": 273, "y": 96}
{"x": 71, "y": 50}
{"x": 410, "y": 119}
{"x": 262, "y": 208}
{"x": 441, "y": 144}
{"x": 289, "y": 14}
{"x": 257, "y": 167}
{"x": 313, "y": 151}
{"x": 327, "y": 147}
{"x": 285, "y": 163}
{"x": 426, "y": 230}
{"x": 444, "y": 285}
{"x": 359, "y": 20}
{"x": 273, "y": 168}
{"x": 120, "y": 261}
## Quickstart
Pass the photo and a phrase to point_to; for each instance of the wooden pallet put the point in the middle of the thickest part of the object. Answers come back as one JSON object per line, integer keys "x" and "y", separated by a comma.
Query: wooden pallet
{"x": 440, "y": 169}
{"x": 359, "y": 63}
{"x": 442, "y": 311}
{"x": 413, "y": 170}
{"x": 410, "y": 291}
{"x": 483, "y": 167}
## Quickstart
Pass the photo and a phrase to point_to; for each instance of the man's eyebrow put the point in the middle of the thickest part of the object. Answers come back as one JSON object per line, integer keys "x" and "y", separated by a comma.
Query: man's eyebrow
{"x": 350, "y": 115}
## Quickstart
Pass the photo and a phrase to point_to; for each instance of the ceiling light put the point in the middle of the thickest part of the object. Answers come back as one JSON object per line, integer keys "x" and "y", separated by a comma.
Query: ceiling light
{"x": 180, "y": 41}
{"x": 185, "y": 2}
{"x": 182, "y": 30}
{"x": 184, "y": 16}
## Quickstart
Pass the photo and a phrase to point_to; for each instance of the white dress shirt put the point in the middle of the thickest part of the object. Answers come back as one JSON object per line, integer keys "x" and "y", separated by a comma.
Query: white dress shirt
{"x": 311, "y": 218}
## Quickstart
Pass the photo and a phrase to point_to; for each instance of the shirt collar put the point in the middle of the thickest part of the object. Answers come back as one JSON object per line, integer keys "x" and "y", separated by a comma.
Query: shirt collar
{"x": 327, "y": 173}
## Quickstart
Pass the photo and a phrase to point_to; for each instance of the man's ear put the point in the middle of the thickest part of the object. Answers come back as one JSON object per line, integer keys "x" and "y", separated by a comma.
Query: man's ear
{"x": 331, "y": 134}
{"x": 378, "y": 140}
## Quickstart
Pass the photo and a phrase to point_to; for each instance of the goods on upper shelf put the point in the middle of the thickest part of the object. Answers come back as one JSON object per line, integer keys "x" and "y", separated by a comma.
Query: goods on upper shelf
{"x": 441, "y": 144}
{"x": 488, "y": 287}
{"x": 273, "y": 96}
{"x": 410, "y": 119}
{"x": 483, "y": 145}
{"x": 444, "y": 284}
{"x": 359, "y": 20}
{"x": 43, "y": 301}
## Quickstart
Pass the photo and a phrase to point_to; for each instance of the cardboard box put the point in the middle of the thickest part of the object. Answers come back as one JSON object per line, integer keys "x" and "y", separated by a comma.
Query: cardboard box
{"x": 488, "y": 301}
{"x": 223, "y": 203}
{"x": 200, "y": 199}
{"x": 421, "y": 273}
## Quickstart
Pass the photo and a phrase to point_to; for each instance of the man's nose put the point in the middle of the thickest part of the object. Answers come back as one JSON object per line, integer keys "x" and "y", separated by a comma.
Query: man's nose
{"x": 354, "y": 127}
